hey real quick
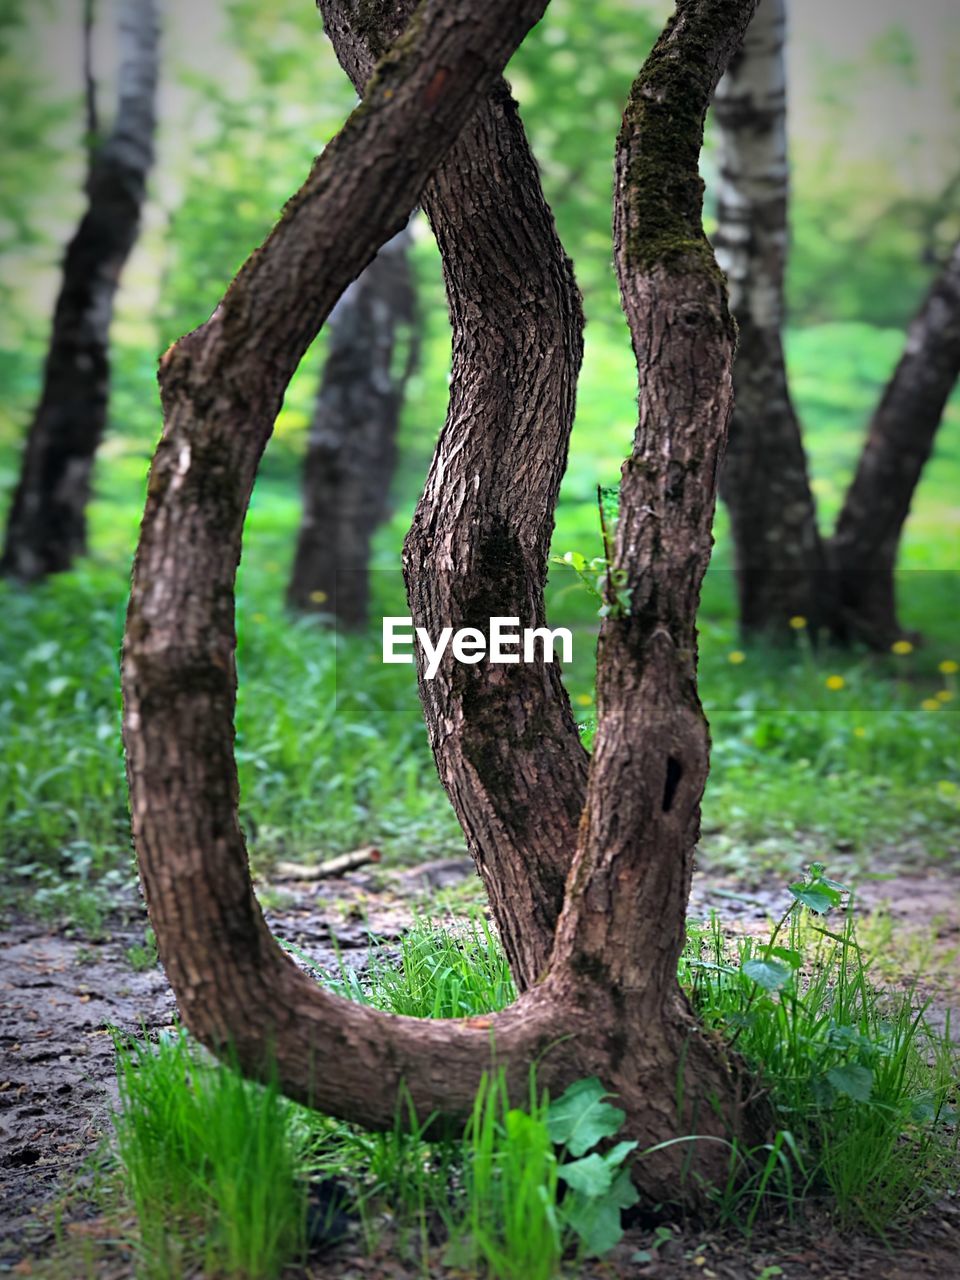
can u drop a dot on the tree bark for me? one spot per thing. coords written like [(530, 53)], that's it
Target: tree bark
[(351, 453), (622, 929), (504, 737), (221, 388), (610, 998), (779, 555), (46, 530), (863, 551)]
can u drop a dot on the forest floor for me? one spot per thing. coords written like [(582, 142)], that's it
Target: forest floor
[(60, 993)]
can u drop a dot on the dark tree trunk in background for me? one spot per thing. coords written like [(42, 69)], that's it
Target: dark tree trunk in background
[(777, 547), (863, 551), (46, 530), (608, 1004), (783, 569), (351, 453)]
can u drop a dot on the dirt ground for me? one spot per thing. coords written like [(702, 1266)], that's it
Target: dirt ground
[(60, 995)]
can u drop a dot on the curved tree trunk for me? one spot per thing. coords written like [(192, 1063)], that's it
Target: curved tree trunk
[(221, 389), (504, 738), (778, 551), (622, 929), (610, 998), (864, 547), (46, 530), (351, 453)]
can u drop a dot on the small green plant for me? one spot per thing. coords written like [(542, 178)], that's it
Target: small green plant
[(862, 1085), (516, 1219), (608, 585), (143, 956), (213, 1164), (598, 1185)]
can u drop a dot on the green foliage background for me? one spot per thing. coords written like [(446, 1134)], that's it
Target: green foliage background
[(331, 746)]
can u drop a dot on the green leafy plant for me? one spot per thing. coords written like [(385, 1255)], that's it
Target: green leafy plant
[(143, 955), (599, 1184), (861, 1083), (607, 584), (516, 1218)]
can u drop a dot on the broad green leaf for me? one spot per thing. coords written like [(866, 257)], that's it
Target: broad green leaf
[(597, 1220), (575, 559), (580, 1118), (767, 973), (594, 1175), (816, 875), (793, 958), (819, 897), (924, 1110), (617, 1154), (591, 1176), (852, 1080)]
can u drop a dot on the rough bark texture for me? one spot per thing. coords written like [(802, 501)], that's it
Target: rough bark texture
[(351, 452), (864, 548), (609, 1003), (221, 388), (47, 523), (777, 546), (504, 738), (621, 932)]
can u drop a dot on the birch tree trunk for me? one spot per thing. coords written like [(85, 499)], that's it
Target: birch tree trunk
[(777, 547), (608, 1002), (901, 436), (351, 453), (46, 528)]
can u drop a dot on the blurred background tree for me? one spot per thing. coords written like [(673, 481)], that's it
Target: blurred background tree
[(47, 524)]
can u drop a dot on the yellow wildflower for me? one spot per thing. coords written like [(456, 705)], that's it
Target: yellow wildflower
[(798, 622), (835, 683), (859, 731), (318, 597), (949, 667), (901, 648), (945, 695), (930, 704), (584, 699), (736, 657)]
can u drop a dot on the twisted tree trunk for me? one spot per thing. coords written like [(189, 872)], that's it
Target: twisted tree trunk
[(504, 738), (46, 529), (609, 998), (778, 552), (351, 453), (863, 550)]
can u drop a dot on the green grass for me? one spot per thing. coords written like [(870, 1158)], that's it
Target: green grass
[(862, 1086), (214, 1166), (862, 1090), (437, 974), (331, 746), (509, 1222)]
